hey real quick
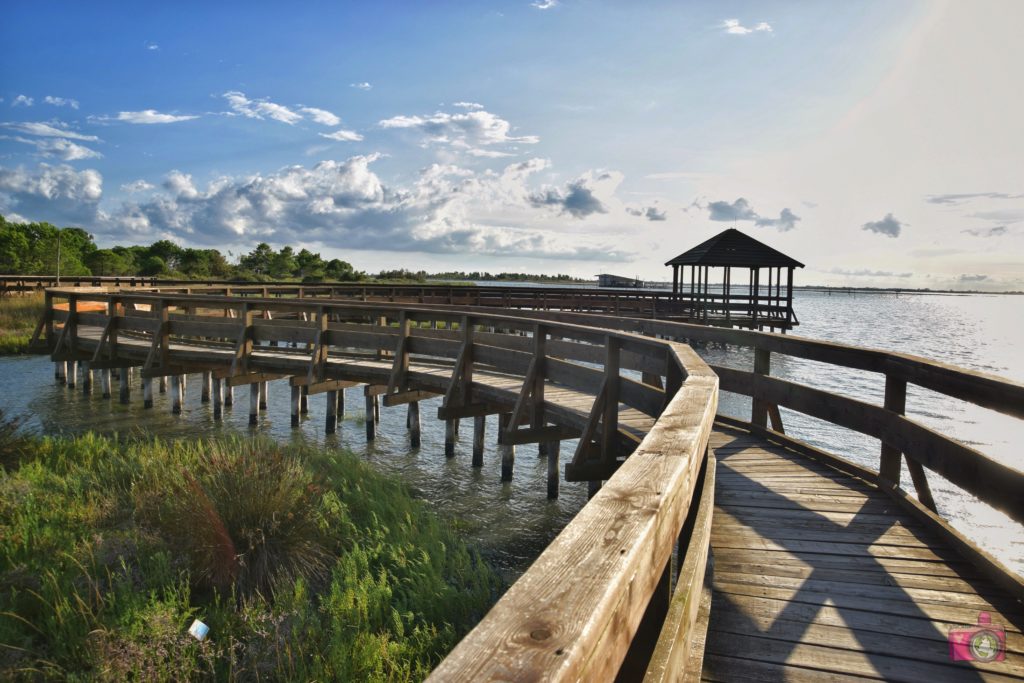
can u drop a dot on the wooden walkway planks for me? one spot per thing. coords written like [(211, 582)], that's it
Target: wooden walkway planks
[(822, 577)]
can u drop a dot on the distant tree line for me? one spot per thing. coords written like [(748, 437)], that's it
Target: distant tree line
[(32, 249)]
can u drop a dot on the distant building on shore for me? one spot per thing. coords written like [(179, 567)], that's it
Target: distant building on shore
[(609, 280)]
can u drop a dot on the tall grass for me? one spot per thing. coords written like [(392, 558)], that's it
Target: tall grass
[(18, 318), (305, 563)]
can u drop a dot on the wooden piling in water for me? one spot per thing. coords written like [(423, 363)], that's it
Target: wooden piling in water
[(264, 386), (413, 422), (105, 382), (450, 430), (126, 387), (371, 427), (376, 409), (508, 460), (254, 404), (479, 427), (304, 401), (58, 371), (218, 398), (86, 378), (147, 392), (296, 393), (72, 371), (176, 394), (204, 397), (163, 384), (592, 488), (332, 412), (341, 404), (552, 453), (229, 395)]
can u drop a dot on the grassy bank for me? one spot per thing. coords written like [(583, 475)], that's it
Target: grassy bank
[(306, 564), (18, 318)]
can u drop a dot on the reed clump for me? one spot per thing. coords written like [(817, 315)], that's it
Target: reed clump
[(19, 315), (306, 564)]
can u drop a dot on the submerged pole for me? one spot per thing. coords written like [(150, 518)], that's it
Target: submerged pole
[(264, 386), (176, 394), (413, 419), (126, 387), (479, 427), (207, 382), (552, 449), (304, 401), (296, 393), (254, 404), (147, 392), (105, 382), (508, 460), (371, 428), (86, 378), (332, 412), (72, 371), (218, 398)]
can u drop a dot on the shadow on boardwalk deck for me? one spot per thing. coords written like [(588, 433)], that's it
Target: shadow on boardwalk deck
[(822, 577)]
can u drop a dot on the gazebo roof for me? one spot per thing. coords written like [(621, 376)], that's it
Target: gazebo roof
[(733, 248)]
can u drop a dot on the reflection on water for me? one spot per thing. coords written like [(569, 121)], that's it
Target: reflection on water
[(513, 522)]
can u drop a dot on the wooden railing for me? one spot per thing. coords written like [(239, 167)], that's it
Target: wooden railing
[(606, 591)]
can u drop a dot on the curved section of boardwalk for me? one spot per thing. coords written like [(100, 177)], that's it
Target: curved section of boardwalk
[(819, 576)]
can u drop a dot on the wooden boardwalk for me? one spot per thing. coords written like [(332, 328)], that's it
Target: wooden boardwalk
[(822, 577)]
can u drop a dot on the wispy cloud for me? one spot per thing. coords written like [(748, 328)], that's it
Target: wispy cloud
[(138, 186), (342, 135), (59, 148), (46, 130), (544, 4), (972, 278), (865, 272), (995, 231), (150, 116), (259, 109), (361, 86), (468, 105), (152, 46), (22, 101), (321, 116), (964, 197), (734, 27), (889, 226), (651, 213), (61, 101)]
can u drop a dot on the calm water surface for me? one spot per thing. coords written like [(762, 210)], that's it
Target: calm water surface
[(513, 522)]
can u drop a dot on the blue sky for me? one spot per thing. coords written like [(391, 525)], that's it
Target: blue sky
[(566, 136)]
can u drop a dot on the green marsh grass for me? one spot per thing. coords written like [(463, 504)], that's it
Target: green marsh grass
[(19, 315), (305, 563)]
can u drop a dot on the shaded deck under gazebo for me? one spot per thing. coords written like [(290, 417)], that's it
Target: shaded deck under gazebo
[(757, 304)]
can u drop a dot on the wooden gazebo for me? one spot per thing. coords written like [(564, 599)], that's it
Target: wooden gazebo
[(758, 304)]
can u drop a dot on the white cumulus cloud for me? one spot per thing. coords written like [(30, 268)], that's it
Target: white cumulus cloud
[(22, 101), (321, 116), (469, 130)]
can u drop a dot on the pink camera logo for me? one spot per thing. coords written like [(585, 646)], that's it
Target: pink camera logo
[(981, 643)]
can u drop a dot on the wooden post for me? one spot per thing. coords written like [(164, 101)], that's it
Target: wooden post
[(479, 427), (59, 371), (229, 395), (376, 410), (86, 378), (207, 385), (341, 403), (126, 389), (610, 417), (176, 393), (789, 298), (163, 384), (304, 401), (449, 438), (508, 460), (147, 392), (758, 408), (371, 427), (413, 419), (218, 398), (264, 386), (72, 373), (296, 393), (593, 486), (552, 450), (105, 382), (896, 401), (504, 419), (254, 404), (332, 412)]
